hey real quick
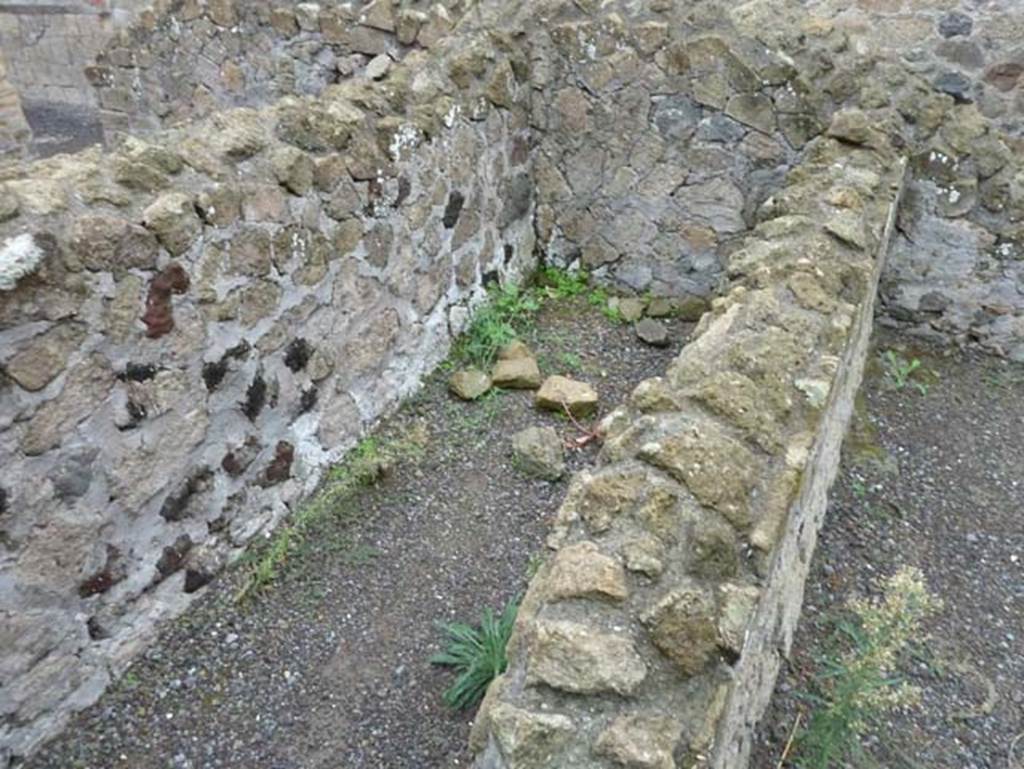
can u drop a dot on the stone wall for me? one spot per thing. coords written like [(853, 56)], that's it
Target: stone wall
[(48, 44), (662, 131), (652, 635), (950, 74), (192, 57), (193, 326), (14, 130)]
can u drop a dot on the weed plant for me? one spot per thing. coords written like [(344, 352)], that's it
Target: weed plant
[(858, 683), (477, 654)]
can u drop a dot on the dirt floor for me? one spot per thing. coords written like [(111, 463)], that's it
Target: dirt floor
[(328, 669), (933, 480)]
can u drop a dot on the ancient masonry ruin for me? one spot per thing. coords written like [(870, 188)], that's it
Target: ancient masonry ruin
[(296, 207)]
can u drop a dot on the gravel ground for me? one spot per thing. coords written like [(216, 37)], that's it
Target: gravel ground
[(934, 481), (329, 668)]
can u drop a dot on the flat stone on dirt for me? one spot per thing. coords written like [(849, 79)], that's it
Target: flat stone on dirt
[(652, 332), (559, 393), (516, 374), (469, 383), (538, 452)]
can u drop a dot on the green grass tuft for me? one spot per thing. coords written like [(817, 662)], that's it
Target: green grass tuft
[(477, 654), (507, 313)]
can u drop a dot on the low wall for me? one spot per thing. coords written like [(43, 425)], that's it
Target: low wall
[(193, 327), (652, 635)]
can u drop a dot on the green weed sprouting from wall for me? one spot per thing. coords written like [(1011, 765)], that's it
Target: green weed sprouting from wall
[(859, 683), (477, 655)]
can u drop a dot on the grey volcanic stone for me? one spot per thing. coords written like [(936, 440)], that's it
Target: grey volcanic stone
[(955, 23), (469, 384), (652, 332), (955, 84)]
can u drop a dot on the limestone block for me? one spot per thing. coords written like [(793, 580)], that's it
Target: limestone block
[(172, 218), (529, 740), (583, 571), (579, 659), (684, 627)]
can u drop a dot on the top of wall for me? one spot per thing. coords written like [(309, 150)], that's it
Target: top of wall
[(87, 70)]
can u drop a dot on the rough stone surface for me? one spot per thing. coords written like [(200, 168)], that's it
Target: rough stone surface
[(516, 374), (731, 452), (469, 384), (652, 332), (582, 571), (538, 451), (193, 330), (574, 658), (154, 293)]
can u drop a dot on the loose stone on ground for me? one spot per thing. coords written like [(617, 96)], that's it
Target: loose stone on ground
[(560, 393)]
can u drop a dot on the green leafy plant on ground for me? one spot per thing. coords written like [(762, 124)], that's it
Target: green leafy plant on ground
[(562, 284), (858, 683), (900, 371), (472, 417), (362, 467), (509, 312), (477, 655)]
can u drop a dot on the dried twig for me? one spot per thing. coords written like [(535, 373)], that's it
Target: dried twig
[(789, 742), (589, 436)]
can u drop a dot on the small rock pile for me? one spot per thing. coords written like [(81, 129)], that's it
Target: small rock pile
[(537, 451), (646, 315)]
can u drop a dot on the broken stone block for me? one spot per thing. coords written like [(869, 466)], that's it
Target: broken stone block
[(684, 627), (752, 109), (640, 741), (44, 357), (716, 468), (172, 218), (516, 374), (630, 308), (529, 740), (515, 350), (738, 603), (652, 332), (560, 393), (538, 452)]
